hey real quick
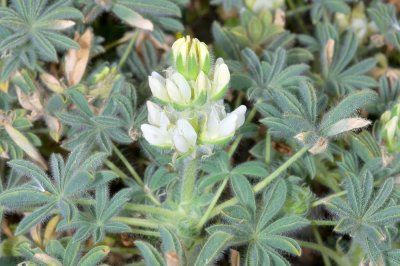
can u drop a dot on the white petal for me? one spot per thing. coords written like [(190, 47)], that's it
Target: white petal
[(213, 124), (187, 131), (154, 113), (240, 113), (180, 143), (227, 126), (155, 136), (173, 92), (157, 86), (203, 53), (183, 85)]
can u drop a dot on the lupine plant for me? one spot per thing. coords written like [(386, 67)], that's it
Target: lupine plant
[(178, 132)]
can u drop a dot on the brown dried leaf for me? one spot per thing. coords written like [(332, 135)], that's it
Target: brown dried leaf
[(52, 83), (172, 259), (54, 126), (76, 59), (280, 18), (35, 234), (329, 50), (31, 103), (24, 144), (50, 230), (234, 257), (319, 146)]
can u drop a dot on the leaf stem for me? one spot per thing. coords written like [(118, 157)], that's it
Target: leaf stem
[(128, 166), (323, 223), (263, 183), (328, 198), (210, 208), (140, 222), (115, 169), (327, 251), (150, 209), (319, 242), (128, 50), (135, 175)]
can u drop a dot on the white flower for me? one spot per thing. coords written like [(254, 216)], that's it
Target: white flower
[(157, 87), (220, 127), (156, 136), (220, 80), (157, 133), (178, 89), (184, 136)]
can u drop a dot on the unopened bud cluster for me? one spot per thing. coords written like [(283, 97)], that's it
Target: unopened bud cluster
[(390, 129), (191, 114)]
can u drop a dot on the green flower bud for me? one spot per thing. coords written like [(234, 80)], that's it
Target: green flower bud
[(190, 56), (299, 197), (389, 129)]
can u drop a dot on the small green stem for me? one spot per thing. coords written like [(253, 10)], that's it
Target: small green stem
[(135, 175), (328, 198), (136, 222), (319, 241), (214, 201), (115, 169), (128, 50), (324, 250), (263, 183), (323, 223), (268, 147), (145, 232), (188, 175), (128, 166), (299, 20), (151, 209), (298, 10)]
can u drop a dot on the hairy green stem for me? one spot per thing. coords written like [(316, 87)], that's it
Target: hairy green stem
[(210, 208), (327, 251), (323, 223), (136, 222), (328, 198), (115, 169), (298, 10), (263, 183), (135, 175), (319, 241), (267, 157), (188, 175), (128, 166), (128, 50), (151, 209)]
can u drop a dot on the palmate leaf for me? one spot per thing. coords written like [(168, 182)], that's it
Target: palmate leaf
[(140, 14), (70, 179), (299, 116), (384, 16), (366, 214), (89, 129), (57, 252), (341, 76), (34, 27), (264, 230), (96, 221), (272, 74), (324, 7)]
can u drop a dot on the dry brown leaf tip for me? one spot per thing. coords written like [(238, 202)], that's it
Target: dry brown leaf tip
[(76, 60)]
